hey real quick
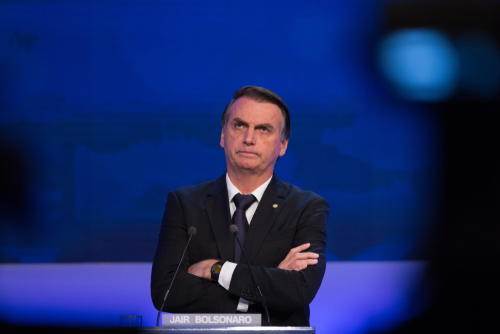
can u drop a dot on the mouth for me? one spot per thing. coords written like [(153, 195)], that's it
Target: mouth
[(247, 153)]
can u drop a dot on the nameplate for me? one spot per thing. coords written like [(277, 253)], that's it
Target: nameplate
[(210, 319)]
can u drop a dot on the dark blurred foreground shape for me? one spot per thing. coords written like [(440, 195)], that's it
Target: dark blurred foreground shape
[(16, 209), (14, 202), (464, 274)]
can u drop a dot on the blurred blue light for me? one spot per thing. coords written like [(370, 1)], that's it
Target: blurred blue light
[(420, 63)]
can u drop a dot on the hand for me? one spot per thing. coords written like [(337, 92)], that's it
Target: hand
[(295, 260), (202, 268)]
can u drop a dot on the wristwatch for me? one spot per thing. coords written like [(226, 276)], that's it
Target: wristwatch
[(215, 271)]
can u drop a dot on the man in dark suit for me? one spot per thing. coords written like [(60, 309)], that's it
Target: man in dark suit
[(284, 227)]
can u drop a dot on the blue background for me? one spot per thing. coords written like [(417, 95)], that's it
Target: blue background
[(115, 103), (112, 104)]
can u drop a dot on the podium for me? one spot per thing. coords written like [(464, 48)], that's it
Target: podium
[(216, 323), (227, 330)]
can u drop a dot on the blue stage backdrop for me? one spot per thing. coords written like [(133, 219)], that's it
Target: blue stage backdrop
[(113, 104)]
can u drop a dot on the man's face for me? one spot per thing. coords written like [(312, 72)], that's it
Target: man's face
[(251, 139)]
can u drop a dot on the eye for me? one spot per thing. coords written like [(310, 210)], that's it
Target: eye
[(238, 125), (264, 129)]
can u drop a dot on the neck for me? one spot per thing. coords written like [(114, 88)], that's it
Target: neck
[(247, 182)]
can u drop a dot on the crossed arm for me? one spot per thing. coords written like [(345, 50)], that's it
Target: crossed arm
[(287, 285), (295, 260)]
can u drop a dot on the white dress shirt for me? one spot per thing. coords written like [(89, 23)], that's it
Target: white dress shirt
[(227, 269)]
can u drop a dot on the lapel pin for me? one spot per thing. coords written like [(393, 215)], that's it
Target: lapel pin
[(275, 206)]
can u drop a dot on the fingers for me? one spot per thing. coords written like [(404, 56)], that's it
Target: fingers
[(300, 248), (295, 260), (305, 263), (297, 250), (299, 264), (305, 256)]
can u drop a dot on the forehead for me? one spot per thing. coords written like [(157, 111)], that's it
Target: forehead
[(251, 111)]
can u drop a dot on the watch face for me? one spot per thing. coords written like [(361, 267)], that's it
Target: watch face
[(216, 268)]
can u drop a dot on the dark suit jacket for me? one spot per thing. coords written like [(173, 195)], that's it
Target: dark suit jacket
[(300, 217)]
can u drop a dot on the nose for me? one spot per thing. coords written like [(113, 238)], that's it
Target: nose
[(249, 138)]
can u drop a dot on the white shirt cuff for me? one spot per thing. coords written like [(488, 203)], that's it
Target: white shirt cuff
[(242, 305), (226, 273), (225, 276)]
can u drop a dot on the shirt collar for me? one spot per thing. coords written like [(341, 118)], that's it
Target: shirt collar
[(258, 193)]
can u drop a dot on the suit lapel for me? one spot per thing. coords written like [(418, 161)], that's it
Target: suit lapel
[(217, 205), (267, 212)]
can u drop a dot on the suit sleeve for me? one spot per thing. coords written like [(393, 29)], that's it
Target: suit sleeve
[(189, 293), (288, 290)]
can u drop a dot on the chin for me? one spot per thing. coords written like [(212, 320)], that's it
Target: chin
[(247, 167)]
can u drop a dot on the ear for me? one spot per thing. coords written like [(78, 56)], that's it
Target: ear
[(222, 138), (284, 145)]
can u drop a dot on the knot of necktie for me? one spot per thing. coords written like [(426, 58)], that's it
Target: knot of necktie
[(243, 202)]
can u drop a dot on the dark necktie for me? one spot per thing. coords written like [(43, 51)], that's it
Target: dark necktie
[(242, 203)]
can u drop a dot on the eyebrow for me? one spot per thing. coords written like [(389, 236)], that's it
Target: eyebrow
[(258, 126)]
